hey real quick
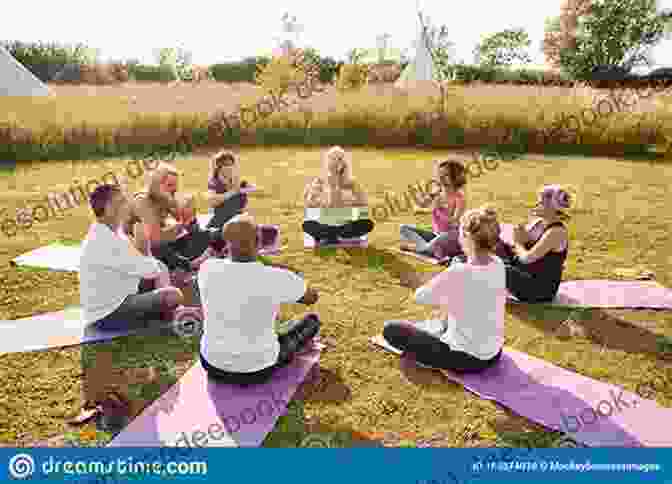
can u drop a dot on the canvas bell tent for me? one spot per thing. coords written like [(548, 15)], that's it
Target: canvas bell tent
[(421, 68), (16, 80)]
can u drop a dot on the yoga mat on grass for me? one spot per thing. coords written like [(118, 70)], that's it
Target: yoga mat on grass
[(336, 216), (57, 257), (217, 415), (58, 330), (309, 243), (610, 294), (594, 413)]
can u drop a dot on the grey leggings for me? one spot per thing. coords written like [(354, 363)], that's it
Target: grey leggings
[(136, 311), (427, 241)]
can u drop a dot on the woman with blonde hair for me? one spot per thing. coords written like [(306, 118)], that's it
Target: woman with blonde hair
[(336, 188), (536, 260), (472, 294)]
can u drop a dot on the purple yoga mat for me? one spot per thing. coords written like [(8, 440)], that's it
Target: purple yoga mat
[(595, 413), (217, 415), (612, 294), (58, 330)]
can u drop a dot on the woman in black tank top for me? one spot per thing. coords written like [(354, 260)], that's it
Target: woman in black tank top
[(536, 260)]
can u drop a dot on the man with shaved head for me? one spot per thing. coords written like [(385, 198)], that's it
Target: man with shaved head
[(241, 298), (164, 224)]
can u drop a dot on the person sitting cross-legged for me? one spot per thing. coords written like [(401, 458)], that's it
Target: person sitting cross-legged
[(164, 224), (226, 200), (113, 272), (336, 189), (472, 294), (114, 280), (536, 260), (240, 300)]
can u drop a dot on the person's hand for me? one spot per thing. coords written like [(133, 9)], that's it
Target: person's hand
[(310, 297), (520, 234), (409, 279), (333, 181)]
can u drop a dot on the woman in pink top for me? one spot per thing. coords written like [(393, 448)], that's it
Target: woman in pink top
[(447, 207), (472, 294)]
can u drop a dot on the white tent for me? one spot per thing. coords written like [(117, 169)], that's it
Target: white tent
[(421, 68), (16, 80)]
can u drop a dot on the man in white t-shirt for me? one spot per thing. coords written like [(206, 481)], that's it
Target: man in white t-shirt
[(113, 272), (241, 299), (112, 276)]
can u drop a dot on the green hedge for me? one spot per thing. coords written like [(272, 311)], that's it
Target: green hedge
[(502, 75), (43, 59), (147, 73), (244, 71)]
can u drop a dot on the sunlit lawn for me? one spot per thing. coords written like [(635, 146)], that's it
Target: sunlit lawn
[(622, 220)]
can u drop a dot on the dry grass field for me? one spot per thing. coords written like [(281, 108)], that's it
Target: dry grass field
[(210, 97), (621, 220)]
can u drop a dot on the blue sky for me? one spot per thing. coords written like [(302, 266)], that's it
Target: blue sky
[(224, 31)]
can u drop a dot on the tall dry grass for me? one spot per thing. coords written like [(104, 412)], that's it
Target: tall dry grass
[(379, 115)]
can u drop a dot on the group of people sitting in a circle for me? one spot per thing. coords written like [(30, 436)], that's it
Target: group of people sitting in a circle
[(136, 243)]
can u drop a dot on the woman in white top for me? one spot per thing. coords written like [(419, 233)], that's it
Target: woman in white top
[(336, 188), (472, 294)]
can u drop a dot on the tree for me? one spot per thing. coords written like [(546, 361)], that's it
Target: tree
[(560, 32), (617, 33), (442, 51), (503, 48), (177, 59)]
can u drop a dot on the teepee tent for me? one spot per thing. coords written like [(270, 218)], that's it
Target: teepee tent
[(16, 80), (421, 68)]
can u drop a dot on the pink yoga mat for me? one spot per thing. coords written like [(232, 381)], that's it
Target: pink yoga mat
[(612, 294), (595, 413), (217, 415)]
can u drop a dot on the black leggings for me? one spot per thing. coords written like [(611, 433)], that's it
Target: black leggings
[(332, 233), (429, 350), (227, 210), (179, 252), (290, 344), (525, 286)]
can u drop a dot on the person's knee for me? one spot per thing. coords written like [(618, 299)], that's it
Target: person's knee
[(171, 297), (310, 224), (394, 330)]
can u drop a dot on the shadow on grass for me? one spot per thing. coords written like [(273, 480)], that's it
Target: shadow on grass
[(597, 326), (295, 430), (323, 385)]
